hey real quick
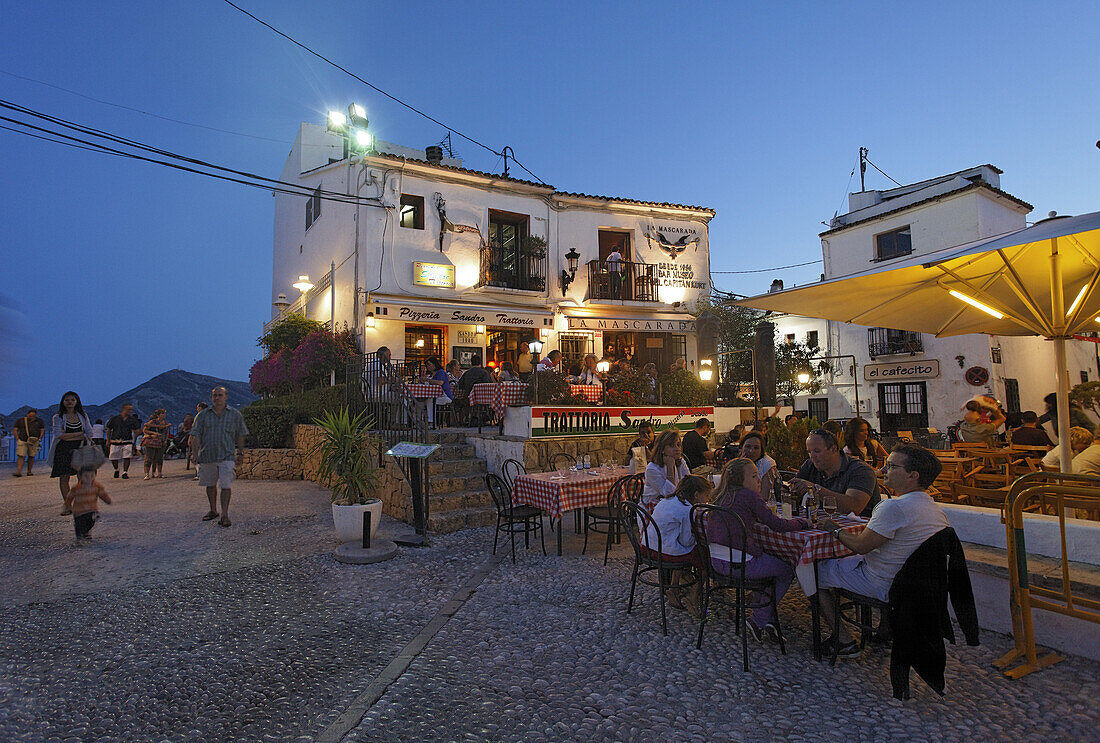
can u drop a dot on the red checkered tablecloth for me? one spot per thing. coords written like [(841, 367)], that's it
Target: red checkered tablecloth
[(423, 390), (498, 394), (801, 548), (577, 490), (591, 392)]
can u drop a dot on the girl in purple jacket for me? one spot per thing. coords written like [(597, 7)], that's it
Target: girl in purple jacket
[(739, 491)]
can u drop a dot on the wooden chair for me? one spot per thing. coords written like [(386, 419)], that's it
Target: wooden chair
[(984, 497)]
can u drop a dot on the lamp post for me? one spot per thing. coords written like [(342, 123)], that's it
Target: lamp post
[(535, 347), (567, 276)]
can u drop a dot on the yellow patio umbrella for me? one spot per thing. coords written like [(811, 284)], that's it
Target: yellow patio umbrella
[(1040, 280)]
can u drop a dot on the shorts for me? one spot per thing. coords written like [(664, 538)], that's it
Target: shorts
[(848, 573), (26, 448), (217, 473), (121, 451)]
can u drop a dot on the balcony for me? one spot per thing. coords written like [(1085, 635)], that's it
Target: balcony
[(636, 282), (513, 268), (888, 342)]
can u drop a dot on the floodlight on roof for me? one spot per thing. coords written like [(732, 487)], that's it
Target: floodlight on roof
[(358, 115), (363, 139), (336, 121)]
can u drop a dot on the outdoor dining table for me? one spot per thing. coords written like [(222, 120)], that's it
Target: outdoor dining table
[(802, 549), (498, 395), (423, 390), (557, 492), (590, 392)]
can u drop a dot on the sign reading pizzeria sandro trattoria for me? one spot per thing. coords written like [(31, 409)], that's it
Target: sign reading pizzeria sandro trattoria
[(581, 421), (468, 317)]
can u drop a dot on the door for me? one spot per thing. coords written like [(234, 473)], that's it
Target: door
[(818, 407), (903, 406), (422, 343)]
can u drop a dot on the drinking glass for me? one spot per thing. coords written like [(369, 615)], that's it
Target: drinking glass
[(830, 505)]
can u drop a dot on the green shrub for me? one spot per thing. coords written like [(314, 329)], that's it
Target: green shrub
[(627, 386), (553, 387), (309, 404), (787, 446), (268, 425), (289, 333), (681, 387)]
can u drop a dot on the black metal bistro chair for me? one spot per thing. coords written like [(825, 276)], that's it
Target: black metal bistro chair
[(510, 470), (732, 532), (636, 522), (607, 519), (513, 519)]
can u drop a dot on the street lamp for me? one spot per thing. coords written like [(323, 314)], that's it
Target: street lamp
[(535, 347), (567, 276), (303, 284), (603, 367), (280, 303), (370, 320), (803, 378)]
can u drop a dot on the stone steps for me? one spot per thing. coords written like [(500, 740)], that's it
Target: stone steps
[(444, 522), (458, 497)]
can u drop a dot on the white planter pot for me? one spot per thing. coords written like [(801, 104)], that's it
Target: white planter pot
[(348, 520)]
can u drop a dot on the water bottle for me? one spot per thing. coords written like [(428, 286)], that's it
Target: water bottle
[(587, 462)]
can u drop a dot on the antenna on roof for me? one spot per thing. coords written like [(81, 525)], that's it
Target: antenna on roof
[(505, 152), (445, 143)]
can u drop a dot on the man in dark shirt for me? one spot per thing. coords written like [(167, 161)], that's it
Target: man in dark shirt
[(1029, 434), (28, 432), (695, 444), (120, 434), (829, 471), (476, 374)]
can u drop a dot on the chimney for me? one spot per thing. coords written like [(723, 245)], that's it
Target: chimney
[(434, 154)]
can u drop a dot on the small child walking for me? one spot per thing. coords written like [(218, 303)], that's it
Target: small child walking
[(84, 500)]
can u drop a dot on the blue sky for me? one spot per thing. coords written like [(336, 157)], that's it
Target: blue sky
[(117, 270)]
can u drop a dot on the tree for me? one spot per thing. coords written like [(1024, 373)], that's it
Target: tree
[(289, 333), (793, 358), (736, 331)]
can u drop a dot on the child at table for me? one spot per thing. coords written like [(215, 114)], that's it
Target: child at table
[(672, 519), (739, 491)]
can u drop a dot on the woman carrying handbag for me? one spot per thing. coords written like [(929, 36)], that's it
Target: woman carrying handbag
[(71, 430)]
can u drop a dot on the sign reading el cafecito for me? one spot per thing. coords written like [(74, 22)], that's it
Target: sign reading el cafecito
[(579, 421), (902, 370)]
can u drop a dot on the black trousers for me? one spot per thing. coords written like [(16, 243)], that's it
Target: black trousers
[(84, 523)]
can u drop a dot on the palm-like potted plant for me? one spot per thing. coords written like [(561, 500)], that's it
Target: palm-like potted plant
[(346, 456)]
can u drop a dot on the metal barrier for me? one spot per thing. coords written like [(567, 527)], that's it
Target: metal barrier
[(1060, 491)]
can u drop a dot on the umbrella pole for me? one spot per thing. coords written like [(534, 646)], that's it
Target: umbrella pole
[(1061, 374)]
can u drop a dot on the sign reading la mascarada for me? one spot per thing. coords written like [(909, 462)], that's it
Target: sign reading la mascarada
[(610, 323), (469, 317), (579, 421), (434, 274), (901, 370)]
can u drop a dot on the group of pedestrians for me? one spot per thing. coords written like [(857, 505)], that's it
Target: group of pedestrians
[(79, 447)]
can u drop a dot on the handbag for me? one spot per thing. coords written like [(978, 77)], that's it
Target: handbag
[(88, 455)]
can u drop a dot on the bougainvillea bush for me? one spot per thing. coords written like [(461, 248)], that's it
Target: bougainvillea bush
[(309, 364)]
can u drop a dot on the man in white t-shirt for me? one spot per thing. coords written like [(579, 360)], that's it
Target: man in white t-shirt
[(898, 526), (615, 268)]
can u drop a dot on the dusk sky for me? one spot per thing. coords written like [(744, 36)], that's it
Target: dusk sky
[(116, 270)]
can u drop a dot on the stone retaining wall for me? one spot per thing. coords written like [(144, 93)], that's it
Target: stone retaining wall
[(602, 449), (270, 464)]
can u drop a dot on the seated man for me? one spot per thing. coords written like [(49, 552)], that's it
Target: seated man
[(829, 471), (1029, 433), (898, 527), (695, 444), (1088, 461), (476, 374)]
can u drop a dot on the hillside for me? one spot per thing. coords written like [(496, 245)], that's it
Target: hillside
[(176, 391)]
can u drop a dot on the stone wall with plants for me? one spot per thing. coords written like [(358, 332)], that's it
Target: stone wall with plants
[(602, 449)]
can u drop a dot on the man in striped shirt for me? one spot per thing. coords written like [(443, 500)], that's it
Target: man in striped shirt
[(216, 434)]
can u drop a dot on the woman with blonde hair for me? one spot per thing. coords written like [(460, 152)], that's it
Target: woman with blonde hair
[(739, 491), (1080, 438), (667, 469)]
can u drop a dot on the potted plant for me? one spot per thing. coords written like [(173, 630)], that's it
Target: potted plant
[(345, 454)]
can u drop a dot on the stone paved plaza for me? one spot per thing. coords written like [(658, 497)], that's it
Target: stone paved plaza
[(169, 628)]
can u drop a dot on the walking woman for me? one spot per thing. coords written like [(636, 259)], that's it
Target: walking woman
[(71, 429), (155, 434)]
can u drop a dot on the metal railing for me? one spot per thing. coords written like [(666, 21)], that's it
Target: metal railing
[(888, 342), (512, 268), (1056, 491), (632, 281)]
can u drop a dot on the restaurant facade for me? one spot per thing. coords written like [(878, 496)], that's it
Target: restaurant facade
[(438, 260)]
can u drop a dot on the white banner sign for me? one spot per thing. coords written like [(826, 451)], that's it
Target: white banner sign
[(449, 316), (902, 370), (686, 325)]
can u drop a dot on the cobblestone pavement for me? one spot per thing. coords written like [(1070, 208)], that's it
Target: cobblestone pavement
[(168, 628)]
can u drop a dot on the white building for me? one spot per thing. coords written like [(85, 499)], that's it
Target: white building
[(438, 260), (915, 380)]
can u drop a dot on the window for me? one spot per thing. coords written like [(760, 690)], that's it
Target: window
[(893, 244), (574, 347), (1084, 376), (811, 339), (1012, 395), (889, 342), (679, 347), (412, 211), (513, 258), (789, 337), (313, 208)]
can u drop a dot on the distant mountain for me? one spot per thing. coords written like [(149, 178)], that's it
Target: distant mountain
[(176, 391)]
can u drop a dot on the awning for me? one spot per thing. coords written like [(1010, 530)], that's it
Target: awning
[(449, 312)]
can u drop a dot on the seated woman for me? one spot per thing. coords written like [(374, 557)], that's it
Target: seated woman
[(588, 375), (507, 373), (752, 448), (859, 444), (434, 373), (739, 491), (645, 439), (671, 518), (667, 469)]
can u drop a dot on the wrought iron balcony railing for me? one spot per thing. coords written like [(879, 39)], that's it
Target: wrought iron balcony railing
[(513, 268), (889, 342), (624, 280)]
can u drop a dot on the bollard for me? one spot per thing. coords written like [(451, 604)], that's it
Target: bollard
[(366, 530)]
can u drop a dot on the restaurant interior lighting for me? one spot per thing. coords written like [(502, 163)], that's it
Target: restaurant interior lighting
[(603, 367), (1080, 296), (336, 121), (535, 347), (705, 362), (419, 342), (975, 303), (303, 284), (370, 320), (803, 378), (480, 329)]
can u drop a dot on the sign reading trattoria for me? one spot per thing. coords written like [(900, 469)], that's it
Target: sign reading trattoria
[(901, 370), (582, 421), (608, 323), (469, 317)]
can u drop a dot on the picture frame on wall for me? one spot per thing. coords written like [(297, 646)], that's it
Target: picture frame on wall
[(465, 355)]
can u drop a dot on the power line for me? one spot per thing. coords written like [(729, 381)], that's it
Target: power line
[(776, 268), (868, 161), (375, 88), (138, 110)]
